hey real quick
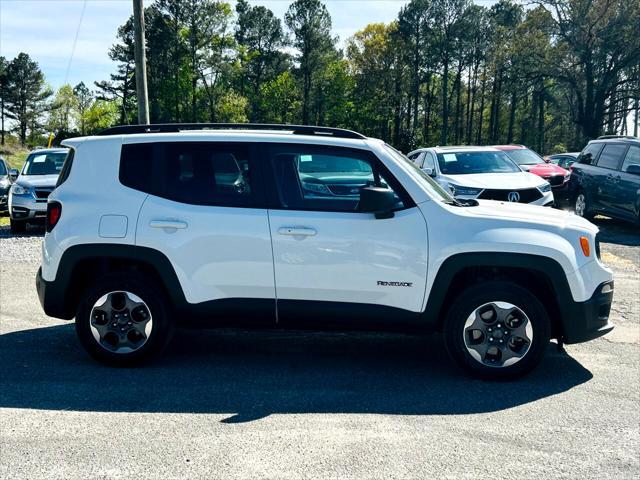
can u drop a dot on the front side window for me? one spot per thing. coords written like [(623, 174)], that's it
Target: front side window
[(199, 173), (44, 163), (3, 169), (611, 156), (632, 158), (462, 163), (590, 153), (325, 179)]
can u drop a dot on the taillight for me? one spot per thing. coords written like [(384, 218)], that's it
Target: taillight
[(54, 211)]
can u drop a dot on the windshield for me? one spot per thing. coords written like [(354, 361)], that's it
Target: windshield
[(435, 189), (330, 163), (463, 163), (524, 156), (44, 163)]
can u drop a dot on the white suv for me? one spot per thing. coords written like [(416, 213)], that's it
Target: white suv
[(485, 173), (305, 228)]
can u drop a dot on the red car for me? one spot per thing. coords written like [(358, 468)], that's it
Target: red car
[(531, 162)]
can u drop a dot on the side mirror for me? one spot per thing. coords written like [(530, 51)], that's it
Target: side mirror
[(379, 201), (428, 171), (547, 159), (633, 169), (13, 174)]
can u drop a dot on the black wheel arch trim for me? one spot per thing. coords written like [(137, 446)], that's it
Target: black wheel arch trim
[(547, 267), (58, 297)]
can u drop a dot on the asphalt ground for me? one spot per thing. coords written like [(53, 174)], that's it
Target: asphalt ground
[(239, 404)]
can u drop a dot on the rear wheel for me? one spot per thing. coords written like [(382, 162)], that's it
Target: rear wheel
[(582, 205), (17, 226), (497, 330), (124, 320)]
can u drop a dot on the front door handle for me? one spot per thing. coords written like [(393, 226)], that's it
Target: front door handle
[(304, 231), (167, 224)]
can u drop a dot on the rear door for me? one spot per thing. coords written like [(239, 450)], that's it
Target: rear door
[(608, 180), (629, 185), (206, 213), (331, 260)]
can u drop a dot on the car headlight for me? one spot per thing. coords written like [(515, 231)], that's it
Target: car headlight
[(316, 188), (19, 190), (4, 183), (567, 177), (545, 187), (457, 190)]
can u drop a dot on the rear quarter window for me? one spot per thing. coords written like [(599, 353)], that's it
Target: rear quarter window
[(66, 167)]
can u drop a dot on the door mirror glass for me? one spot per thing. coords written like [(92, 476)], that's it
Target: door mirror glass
[(13, 174), (377, 200), (633, 169)]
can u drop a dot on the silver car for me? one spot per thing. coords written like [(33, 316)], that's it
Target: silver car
[(28, 194), (5, 184)]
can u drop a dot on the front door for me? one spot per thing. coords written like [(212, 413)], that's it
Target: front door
[(328, 255)]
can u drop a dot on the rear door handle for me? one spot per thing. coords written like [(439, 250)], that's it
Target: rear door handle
[(304, 231), (168, 224)]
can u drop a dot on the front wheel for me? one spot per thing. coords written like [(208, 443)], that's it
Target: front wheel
[(124, 320), (497, 330), (582, 206), (17, 226)]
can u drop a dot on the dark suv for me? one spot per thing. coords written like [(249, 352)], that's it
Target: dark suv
[(606, 178)]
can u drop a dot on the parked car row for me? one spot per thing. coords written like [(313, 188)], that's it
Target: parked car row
[(603, 178)]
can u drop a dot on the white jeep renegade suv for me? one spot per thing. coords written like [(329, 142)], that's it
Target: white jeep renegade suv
[(305, 227)]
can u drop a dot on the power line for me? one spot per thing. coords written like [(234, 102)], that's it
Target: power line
[(75, 41)]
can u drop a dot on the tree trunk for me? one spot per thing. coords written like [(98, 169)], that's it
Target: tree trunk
[(444, 135), (512, 115), (481, 111), (540, 143), (458, 88)]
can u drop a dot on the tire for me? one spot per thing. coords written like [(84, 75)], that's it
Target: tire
[(482, 298), (583, 211), (115, 348), (17, 226)]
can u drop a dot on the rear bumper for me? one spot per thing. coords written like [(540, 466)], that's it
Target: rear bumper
[(584, 321), (52, 298)]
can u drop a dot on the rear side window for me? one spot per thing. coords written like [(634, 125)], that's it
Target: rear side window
[(66, 168), (199, 173), (632, 158), (590, 153), (611, 156)]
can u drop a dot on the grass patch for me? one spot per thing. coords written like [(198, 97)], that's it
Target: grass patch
[(14, 153)]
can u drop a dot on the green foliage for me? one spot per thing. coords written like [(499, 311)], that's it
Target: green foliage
[(550, 74)]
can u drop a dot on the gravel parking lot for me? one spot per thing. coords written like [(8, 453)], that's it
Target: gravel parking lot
[(238, 404)]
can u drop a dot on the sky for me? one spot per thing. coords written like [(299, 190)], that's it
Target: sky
[(46, 30)]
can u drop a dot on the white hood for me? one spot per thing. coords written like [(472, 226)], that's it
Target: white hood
[(529, 213), (37, 180), (504, 181)]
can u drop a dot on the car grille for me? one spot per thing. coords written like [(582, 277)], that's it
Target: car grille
[(43, 193), (345, 190), (526, 196), (555, 180)]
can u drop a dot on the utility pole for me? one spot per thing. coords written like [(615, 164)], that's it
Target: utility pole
[(141, 63)]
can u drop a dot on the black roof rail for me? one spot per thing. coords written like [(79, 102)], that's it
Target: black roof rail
[(605, 137), (178, 127)]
